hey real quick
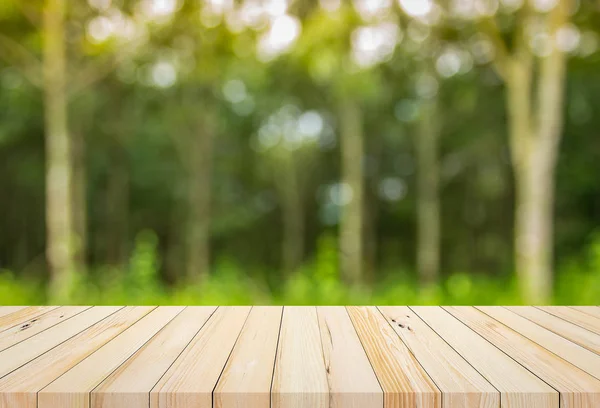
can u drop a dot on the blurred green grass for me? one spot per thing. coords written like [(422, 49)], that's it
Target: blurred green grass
[(317, 283)]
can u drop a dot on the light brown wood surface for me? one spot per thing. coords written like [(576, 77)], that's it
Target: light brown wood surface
[(518, 386), (23, 352), (592, 311), (571, 352), (20, 388), (574, 316), (461, 385), (6, 310), (38, 324), (569, 380), (352, 381), (402, 378), (130, 385), (190, 381), (21, 316), (300, 379), (299, 357), (246, 379), (73, 388), (568, 330)]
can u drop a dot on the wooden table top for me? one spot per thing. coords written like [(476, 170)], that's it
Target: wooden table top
[(270, 356)]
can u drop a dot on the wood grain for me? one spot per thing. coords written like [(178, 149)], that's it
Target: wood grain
[(72, 389), (577, 388), (573, 353), (402, 378), (38, 324), (518, 387), (299, 357), (461, 385), (568, 330), (300, 380), (590, 310), (21, 316), (130, 385), (191, 379), (581, 319), (6, 310), (352, 381), (19, 389), (246, 379), (20, 354)]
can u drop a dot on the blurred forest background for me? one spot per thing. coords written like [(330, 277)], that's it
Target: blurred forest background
[(299, 151)]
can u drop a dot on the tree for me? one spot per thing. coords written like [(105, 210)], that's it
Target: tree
[(66, 233), (193, 136), (428, 196), (288, 145), (351, 217), (336, 51), (199, 172), (59, 216), (535, 81)]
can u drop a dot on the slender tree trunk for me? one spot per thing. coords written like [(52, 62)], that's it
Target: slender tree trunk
[(533, 231), (371, 214), (351, 222), (428, 200), (59, 217), (199, 198), (536, 130), (175, 259), (78, 192), (293, 219), (117, 208)]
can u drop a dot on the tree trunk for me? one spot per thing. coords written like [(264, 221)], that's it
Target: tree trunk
[(351, 222), (59, 217), (78, 192), (293, 218), (428, 201), (535, 136), (117, 207), (533, 230), (199, 198), (175, 259), (371, 216)]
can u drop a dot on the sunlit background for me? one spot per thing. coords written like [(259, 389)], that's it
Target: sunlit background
[(299, 151)]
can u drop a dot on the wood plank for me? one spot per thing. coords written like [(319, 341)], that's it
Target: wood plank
[(404, 382), (22, 316), (591, 310), (246, 379), (574, 316), (299, 379), (518, 387), (461, 385), (21, 353), (573, 353), (19, 389), (233, 357), (31, 327), (193, 376), (72, 389), (568, 330), (130, 385), (577, 388), (6, 310), (352, 381)]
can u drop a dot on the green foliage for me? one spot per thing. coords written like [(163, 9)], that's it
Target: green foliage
[(317, 283), (143, 87), (19, 292), (579, 281)]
